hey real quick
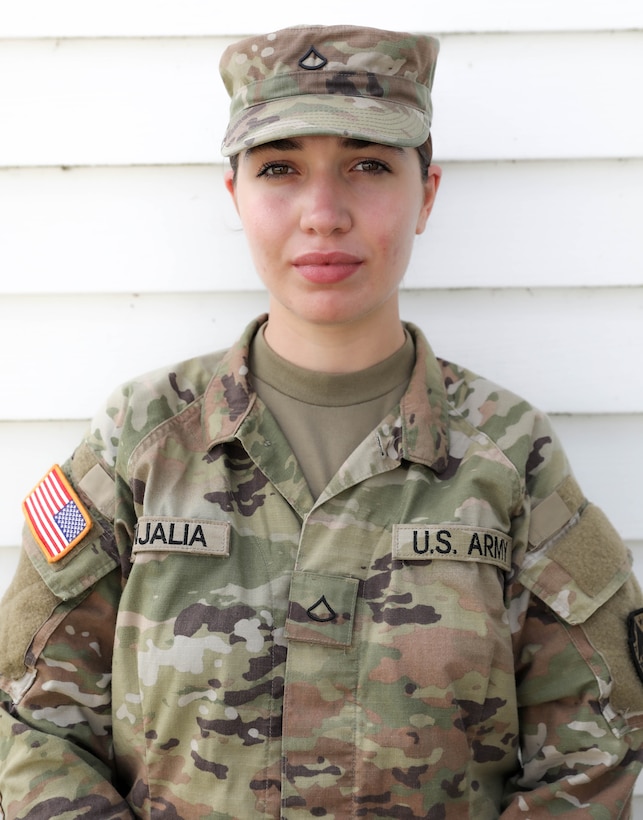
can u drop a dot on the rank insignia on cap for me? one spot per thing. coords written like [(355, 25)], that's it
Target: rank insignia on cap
[(55, 515), (635, 639), (312, 60)]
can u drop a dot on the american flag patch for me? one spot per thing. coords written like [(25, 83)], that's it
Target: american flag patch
[(55, 515)]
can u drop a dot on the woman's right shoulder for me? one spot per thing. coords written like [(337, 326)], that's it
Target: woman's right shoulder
[(140, 404)]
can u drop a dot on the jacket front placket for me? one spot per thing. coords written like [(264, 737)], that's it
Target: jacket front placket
[(326, 623), (337, 544)]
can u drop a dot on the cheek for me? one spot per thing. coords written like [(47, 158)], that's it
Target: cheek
[(397, 231), (265, 223), (260, 231)]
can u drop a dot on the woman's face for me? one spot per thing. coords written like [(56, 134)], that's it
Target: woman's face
[(331, 223)]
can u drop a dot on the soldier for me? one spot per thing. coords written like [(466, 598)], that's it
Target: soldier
[(323, 573)]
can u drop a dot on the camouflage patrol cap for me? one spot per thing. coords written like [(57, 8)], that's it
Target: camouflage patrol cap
[(351, 81)]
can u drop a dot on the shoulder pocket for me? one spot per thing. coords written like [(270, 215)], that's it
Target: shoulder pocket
[(90, 561), (91, 557), (580, 560)]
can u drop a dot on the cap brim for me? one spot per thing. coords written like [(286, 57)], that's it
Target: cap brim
[(357, 117)]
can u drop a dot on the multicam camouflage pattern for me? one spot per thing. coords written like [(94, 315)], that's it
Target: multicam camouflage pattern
[(401, 647), (350, 81)]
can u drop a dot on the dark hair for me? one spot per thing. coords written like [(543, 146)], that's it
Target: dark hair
[(425, 155)]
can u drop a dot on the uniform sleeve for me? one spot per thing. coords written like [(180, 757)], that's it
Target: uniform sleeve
[(578, 669), (56, 639), (57, 628)]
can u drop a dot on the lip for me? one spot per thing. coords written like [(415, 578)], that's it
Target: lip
[(327, 267)]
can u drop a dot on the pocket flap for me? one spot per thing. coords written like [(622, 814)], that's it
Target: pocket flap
[(580, 568), (321, 608)]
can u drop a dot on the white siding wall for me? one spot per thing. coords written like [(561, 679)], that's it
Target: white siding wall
[(119, 250)]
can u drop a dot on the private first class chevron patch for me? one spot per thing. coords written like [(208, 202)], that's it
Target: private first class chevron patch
[(55, 515)]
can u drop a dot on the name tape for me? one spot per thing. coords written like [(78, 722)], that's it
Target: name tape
[(165, 534), (451, 541)]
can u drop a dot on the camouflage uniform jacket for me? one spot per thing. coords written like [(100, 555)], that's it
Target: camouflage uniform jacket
[(437, 635)]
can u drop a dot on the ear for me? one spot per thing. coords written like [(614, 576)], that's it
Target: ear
[(430, 188), (228, 181)]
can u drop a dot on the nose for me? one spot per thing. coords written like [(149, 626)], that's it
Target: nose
[(324, 208)]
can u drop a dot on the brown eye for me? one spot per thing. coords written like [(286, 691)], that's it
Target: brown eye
[(372, 166), (274, 169)]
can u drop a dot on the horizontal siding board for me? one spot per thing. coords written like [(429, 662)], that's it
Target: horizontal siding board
[(568, 351), (539, 97), (151, 18), (32, 447), (151, 229), (158, 101), (75, 102)]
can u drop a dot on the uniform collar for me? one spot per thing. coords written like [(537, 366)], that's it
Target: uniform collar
[(229, 396), (229, 400)]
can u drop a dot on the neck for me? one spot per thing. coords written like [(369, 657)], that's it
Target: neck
[(333, 348)]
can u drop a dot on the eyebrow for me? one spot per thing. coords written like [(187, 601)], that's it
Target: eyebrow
[(293, 144)]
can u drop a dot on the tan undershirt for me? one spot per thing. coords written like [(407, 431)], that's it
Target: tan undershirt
[(325, 416)]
